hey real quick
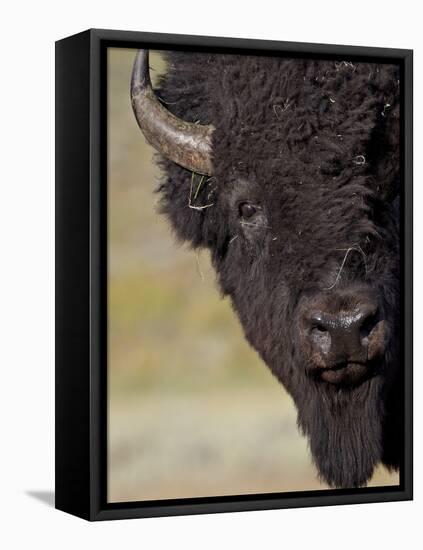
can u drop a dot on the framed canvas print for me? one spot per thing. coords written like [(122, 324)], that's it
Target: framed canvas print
[(233, 274)]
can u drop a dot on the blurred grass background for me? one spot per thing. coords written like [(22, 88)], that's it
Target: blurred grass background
[(192, 410)]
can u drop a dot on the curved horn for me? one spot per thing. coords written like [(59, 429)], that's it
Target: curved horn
[(182, 142)]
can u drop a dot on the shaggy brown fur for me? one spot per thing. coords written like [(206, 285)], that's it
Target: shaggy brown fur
[(315, 145)]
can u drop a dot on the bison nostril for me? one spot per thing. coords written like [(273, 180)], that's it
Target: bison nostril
[(319, 321), (320, 328), (368, 324), (320, 333)]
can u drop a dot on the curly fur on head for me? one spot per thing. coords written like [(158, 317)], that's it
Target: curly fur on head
[(314, 146)]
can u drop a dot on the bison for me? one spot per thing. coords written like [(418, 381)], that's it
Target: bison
[(288, 171)]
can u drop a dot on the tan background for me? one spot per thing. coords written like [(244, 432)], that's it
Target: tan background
[(192, 409)]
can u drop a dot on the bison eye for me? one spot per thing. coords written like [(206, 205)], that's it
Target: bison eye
[(247, 210)]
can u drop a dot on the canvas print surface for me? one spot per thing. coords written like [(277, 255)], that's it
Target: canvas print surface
[(253, 275)]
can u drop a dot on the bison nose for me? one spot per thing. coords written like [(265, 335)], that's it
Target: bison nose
[(343, 336)]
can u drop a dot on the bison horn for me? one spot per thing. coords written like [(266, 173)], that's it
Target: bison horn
[(182, 142)]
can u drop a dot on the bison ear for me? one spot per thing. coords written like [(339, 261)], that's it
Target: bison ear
[(189, 201)]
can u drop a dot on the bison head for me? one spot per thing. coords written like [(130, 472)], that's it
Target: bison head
[(287, 171)]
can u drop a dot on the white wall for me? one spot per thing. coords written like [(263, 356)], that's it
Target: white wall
[(28, 32)]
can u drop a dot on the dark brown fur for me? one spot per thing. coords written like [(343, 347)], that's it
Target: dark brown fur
[(316, 145)]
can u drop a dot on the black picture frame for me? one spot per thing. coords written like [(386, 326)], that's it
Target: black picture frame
[(81, 275)]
